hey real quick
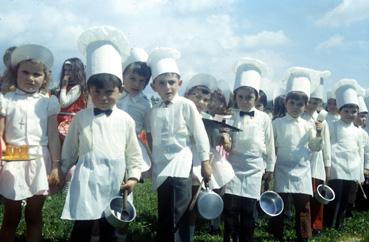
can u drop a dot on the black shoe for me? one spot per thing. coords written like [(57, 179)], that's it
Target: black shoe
[(317, 232)]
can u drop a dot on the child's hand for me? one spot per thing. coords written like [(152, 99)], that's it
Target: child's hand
[(226, 141), (268, 176), (319, 128), (65, 80), (206, 170), (366, 172), (129, 185), (55, 178)]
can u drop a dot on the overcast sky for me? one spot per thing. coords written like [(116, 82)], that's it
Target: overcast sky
[(211, 34)]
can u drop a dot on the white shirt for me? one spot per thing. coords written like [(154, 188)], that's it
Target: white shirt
[(250, 147), (174, 129), (137, 107), (346, 158), (364, 150), (67, 99), (104, 147), (331, 118), (321, 159), (26, 124), (294, 140)]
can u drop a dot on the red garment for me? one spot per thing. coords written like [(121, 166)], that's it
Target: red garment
[(316, 208)]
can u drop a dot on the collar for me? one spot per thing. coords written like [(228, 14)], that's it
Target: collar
[(290, 118), (173, 101), (22, 93)]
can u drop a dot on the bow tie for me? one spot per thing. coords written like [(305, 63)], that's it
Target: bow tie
[(98, 111), (251, 114)]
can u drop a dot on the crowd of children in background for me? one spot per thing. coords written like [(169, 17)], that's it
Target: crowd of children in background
[(100, 134)]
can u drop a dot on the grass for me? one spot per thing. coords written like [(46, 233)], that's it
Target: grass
[(144, 227)]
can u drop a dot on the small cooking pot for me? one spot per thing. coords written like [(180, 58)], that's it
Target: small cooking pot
[(209, 204), (271, 203), (324, 194), (114, 211)]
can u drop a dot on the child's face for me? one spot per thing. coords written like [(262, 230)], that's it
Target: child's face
[(245, 99), (361, 119), (313, 104), (166, 86), (349, 113), (133, 82), (30, 76), (104, 98), (295, 107), (200, 98), (332, 106)]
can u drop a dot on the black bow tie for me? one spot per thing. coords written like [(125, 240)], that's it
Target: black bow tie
[(251, 114), (98, 111)]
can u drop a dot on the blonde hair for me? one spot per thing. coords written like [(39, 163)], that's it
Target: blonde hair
[(9, 80)]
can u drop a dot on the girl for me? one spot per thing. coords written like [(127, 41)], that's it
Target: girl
[(28, 117), (72, 94)]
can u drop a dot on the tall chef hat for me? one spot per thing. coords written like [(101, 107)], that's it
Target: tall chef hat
[(362, 105), (163, 60), (319, 77), (346, 92), (104, 48), (330, 95), (202, 79), (31, 51), (249, 73), (299, 79), (136, 55)]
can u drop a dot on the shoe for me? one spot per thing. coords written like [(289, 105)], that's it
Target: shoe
[(317, 232)]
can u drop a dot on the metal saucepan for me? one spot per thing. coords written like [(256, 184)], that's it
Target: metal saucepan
[(324, 194), (271, 203), (209, 204), (113, 213)]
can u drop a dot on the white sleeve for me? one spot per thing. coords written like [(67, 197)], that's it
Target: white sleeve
[(326, 145), (69, 154), (269, 144), (67, 99)]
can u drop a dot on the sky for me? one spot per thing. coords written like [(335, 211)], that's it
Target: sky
[(210, 34)]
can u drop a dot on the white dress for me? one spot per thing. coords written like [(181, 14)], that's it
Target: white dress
[(26, 117), (104, 147)]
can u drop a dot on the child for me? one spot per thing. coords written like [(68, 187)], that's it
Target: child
[(331, 108), (347, 165), (136, 76), (321, 160), (174, 125), (72, 94), (28, 117), (101, 140), (295, 138), (249, 148)]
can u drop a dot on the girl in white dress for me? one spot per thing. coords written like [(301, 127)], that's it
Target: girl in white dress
[(28, 117)]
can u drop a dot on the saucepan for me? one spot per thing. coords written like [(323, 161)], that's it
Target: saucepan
[(271, 203), (209, 204), (117, 206), (324, 194)]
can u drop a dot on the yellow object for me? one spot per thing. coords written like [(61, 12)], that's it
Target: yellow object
[(17, 152)]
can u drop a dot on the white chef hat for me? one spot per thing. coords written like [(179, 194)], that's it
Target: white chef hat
[(136, 55), (330, 95), (278, 92), (202, 79), (249, 72), (367, 97), (361, 101), (346, 92), (319, 77), (32, 51), (105, 47), (299, 79), (163, 60)]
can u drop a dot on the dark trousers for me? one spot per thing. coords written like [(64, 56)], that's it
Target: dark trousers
[(301, 203), (239, 218), (316, 208), (81, 231), (174, 197), (335, 211)]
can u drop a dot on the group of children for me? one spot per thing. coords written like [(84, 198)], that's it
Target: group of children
[(95, 122)]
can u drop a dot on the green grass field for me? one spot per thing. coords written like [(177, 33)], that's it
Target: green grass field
[(144, 227)]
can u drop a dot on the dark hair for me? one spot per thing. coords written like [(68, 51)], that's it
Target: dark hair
[(297, 95), (103, 81), (204, 89), (279, 109), (250, 89), (139, 68), (78, 72), (262, 98), (218, 103), (349, 106)]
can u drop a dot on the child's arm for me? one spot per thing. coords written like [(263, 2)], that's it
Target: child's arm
[(270, 149), (225, 140), (326, 149), (366, 154), (67, 99), (2, 127), (133, 158), (315, 137), (69, 153), (55, 177)]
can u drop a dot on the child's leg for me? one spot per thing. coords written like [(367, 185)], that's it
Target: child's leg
[(248, 215), (331, 209), (12, 216), (276, 224), (81, 231), (193, 213), (231, 220), (106, 230), (33, 217), (302, 215)]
